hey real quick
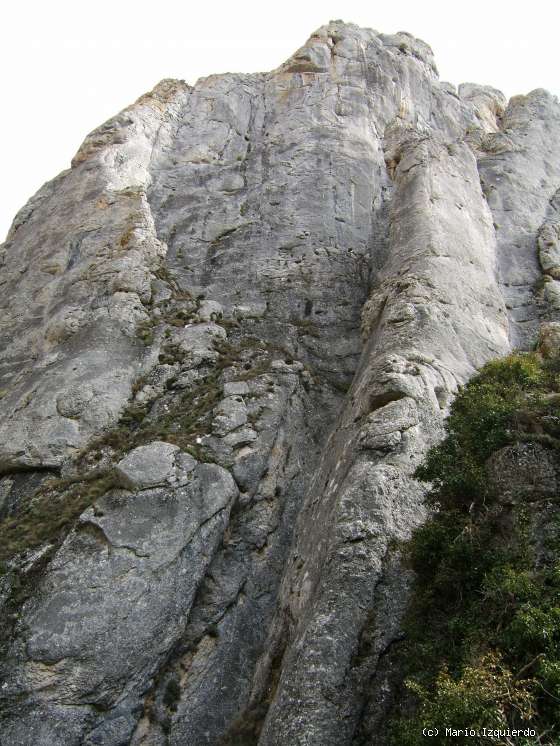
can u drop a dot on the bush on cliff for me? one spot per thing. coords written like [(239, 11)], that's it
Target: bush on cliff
[(482, 645)]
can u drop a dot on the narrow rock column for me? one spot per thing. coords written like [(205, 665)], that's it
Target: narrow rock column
[(520, 172), (436, 315)]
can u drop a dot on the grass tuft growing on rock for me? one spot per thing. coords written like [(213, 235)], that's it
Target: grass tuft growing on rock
[(178, 417), (51, 510)]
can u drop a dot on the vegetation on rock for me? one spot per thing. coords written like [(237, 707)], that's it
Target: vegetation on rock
[(482, 646), (177, 416)]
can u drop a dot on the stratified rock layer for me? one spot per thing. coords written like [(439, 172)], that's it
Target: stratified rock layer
[(236, 324)]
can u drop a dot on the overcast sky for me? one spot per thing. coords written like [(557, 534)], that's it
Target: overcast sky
[(67, 67)]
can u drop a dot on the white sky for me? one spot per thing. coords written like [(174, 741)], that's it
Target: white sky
[(66, 67)]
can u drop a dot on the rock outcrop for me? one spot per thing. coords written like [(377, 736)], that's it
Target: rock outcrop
[(230, 331)]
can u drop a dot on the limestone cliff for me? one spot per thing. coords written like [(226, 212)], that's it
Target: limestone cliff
[(229, 333)]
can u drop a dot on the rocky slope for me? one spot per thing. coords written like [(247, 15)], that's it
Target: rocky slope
[(229, 333)]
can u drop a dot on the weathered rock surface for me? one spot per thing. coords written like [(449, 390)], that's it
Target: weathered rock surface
[(114, 600), (237, 323), (148, 466)]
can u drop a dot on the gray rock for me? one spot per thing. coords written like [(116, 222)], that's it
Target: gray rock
[(74, 401), (197, 341), (236, 388), (434, 281), (148, 466), (230, 414), (520, 181), (549, 249), (83, 639), (384, 427), (210, 310), (242, 436), (367, 237), (488, 103), (72, 320)]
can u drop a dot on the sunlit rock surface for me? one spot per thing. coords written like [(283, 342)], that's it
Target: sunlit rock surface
[(236, 324)]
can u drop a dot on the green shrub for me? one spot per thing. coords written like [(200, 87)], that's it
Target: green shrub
[(482, 646), (486, 695), (507, 399)]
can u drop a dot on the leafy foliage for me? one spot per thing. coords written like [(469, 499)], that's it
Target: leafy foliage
[(507, 401), (482, 643), (485, 696)]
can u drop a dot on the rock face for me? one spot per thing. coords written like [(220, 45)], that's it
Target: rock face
[(229, 333)]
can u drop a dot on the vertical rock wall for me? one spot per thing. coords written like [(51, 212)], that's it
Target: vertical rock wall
[(230, 331)]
